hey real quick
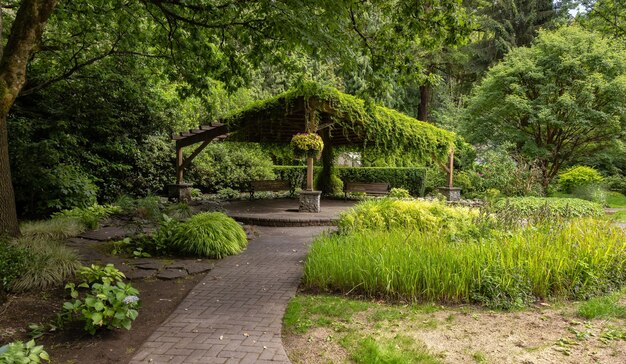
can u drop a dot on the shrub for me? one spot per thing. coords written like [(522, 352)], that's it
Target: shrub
[(208, 234), (578, 176), (591, 192), (399, 193), (616, 183), (89, 216), (228, 194), (22, 353), (230, 165), (110, 303), (147, 208), (576, 259), (545, 208), (13, 263), (388, 214), (51, 263)]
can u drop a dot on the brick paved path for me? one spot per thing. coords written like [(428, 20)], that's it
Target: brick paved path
[(235, 314)]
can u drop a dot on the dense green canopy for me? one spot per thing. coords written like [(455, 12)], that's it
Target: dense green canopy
[(350, 121)]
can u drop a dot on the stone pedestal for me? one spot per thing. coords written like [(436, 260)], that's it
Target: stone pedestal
[(310, 201), (179, 192), (451, 193)]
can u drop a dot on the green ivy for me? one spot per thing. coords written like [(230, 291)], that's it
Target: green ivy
[(376, 126)]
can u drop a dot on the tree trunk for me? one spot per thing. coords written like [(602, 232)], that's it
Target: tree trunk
[(328, 158), (26, 32), (422, 110), (8, 214)]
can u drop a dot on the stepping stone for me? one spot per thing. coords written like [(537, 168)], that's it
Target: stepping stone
[(140, 274), (169, 274), (195, 268), (150, 265), (78, 240), (104, 234)]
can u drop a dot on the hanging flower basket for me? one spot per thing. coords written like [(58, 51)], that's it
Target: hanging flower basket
[(307, 145)]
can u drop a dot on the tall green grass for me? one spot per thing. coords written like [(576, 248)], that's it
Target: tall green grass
[(575, 259)]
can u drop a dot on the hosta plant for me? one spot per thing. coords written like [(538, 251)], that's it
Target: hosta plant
[(107, 303), (22, 353)]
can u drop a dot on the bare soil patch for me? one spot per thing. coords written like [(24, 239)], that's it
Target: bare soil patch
[(473, 335)]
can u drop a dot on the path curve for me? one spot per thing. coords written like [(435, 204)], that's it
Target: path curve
[(235, 314)]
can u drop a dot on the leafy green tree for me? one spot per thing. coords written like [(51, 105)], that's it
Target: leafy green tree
[(607, 16), (194, 43), (563, 97)]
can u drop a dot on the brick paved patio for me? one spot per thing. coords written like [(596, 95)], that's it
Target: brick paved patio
[(235, 314)]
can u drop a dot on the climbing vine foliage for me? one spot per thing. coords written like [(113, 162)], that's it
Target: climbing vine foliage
[(368, 125)]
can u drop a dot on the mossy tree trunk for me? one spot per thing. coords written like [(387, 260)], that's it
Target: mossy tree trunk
[(25, 35)]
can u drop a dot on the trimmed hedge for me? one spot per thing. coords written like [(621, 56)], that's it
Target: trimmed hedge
[(411, 179), (526, 207)]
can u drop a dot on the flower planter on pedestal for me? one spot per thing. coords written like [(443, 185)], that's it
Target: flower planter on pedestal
[(310, 201)]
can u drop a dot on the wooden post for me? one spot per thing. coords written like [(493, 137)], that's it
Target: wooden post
[(451, 169), (309, 174), (179, 165)]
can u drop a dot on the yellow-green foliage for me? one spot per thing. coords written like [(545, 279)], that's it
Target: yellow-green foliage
[(207, 234), (412, 215), (575, 259), (306, 143), (379, 127), (578, 176)]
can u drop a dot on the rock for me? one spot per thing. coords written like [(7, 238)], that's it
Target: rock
[(195, 268), (150, 265), (140, 274), (171, 274)]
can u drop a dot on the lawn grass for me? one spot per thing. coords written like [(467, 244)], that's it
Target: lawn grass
[(608, 306), (619, 216), (615, 199), (349, 319)]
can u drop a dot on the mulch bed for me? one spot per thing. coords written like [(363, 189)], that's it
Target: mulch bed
[(162, 283)]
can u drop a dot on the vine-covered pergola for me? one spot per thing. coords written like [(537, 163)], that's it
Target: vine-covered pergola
[(340, 119)]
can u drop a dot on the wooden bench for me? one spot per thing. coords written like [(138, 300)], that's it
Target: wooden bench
[(268, 185), (377, 189)]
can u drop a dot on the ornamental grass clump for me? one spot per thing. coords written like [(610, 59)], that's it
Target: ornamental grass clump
[(208, 234), (50, 264), (575, 259), (411, 215)]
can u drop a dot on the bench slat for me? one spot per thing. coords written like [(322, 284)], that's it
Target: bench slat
[(370, 188)]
